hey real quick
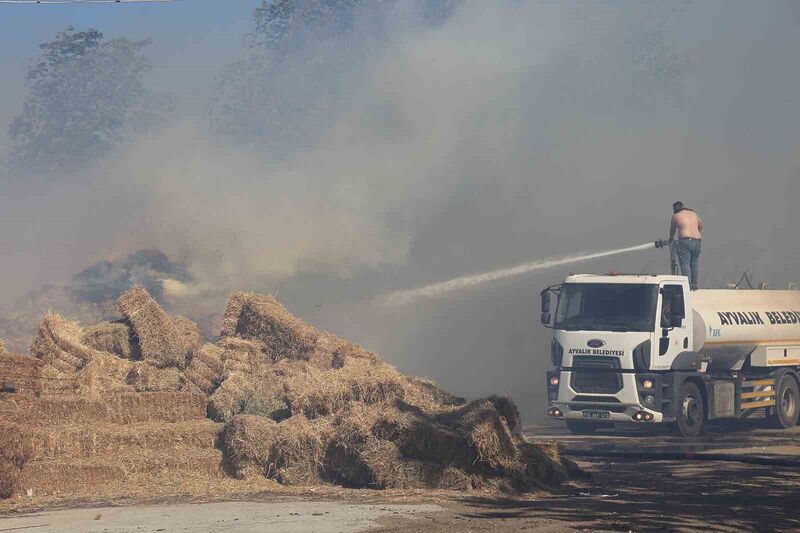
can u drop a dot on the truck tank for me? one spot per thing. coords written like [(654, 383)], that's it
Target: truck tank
[(729, 325)]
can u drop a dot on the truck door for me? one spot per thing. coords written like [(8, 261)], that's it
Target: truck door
[(673, 336)]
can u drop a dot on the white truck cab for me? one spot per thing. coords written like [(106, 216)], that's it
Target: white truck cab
[(646, 349)]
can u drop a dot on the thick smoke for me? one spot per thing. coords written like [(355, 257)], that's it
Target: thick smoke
[(509, 131)]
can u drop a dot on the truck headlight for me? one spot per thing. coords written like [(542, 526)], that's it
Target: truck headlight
[(649, 399), (554, 380), (647, 384)]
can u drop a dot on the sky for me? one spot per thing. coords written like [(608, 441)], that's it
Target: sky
[(514, 131)]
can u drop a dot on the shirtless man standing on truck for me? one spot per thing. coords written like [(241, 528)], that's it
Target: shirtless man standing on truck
[(689, 229)]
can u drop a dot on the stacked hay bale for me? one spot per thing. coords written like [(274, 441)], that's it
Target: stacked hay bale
[(356, 420), (79, 446), (128, 404), (104, 413), (117, 338), (19, 373)]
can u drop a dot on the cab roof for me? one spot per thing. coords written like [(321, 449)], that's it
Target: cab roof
[(649, 279)]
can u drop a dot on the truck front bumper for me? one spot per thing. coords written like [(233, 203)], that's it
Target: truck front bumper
[(632, 403)]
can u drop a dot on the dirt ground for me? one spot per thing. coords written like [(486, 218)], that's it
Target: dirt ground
[(752, 484)]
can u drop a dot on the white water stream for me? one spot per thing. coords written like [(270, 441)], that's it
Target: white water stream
[(438, 289)]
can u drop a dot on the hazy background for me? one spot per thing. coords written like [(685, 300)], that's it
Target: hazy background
[(417, 141)]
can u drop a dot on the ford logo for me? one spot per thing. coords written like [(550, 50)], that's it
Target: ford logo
[(596, 343)]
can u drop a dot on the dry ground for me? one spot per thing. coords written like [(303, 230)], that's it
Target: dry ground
[(622, 495)]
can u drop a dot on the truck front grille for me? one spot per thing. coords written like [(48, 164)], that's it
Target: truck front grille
[(596, 375), (596, 402)]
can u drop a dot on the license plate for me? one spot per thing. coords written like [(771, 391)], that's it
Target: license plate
[(597, 415)]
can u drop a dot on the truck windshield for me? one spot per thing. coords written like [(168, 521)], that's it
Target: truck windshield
[(607, 307)]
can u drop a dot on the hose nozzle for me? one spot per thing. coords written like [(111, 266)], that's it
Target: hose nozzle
[(661, 243)]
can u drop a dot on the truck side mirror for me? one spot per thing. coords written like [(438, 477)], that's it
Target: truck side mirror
[(546, 302), (546, 318)]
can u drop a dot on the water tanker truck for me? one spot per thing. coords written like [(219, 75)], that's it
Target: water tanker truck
[(644, 349)]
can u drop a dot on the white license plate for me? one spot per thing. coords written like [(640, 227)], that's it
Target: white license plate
[(597, 415)]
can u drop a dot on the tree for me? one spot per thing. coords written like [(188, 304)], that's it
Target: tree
[(83, 91), (303, 56)]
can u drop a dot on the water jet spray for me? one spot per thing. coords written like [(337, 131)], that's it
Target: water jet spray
[(439, 289)]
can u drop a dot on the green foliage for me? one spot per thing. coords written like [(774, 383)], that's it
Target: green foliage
[(83, 91)]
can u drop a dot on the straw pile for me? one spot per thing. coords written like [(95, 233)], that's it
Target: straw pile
[(349, 418), (130, 402)]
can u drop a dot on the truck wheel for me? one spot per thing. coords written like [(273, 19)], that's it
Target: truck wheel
[(690, 411), (581, 428), (787, 403)]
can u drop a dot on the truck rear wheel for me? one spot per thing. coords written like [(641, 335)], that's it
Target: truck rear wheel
[(690, 411), (787, 403), (581, 428)]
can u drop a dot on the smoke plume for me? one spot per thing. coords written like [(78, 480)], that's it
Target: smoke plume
[(424, 152)]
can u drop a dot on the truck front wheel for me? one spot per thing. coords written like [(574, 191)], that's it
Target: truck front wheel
[(691, 410), (787, 403), (581, 428)]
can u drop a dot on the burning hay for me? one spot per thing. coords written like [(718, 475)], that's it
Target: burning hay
[(160, 341)]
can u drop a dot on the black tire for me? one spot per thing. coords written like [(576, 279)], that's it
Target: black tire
[(787, 403), (580, 428), (690, 411)]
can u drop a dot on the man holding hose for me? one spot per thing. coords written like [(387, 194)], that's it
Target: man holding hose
[(688, 227)]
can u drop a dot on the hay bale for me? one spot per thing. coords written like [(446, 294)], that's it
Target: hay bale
[(117, 338), (54, 381), (318, 393), (113, 408), (21, 374), (365, 450), (58, 343), (233, 310), (242, 355), (105, 373), (486, 433), (206, 368), (290, 452), (160, 341), (15, 452), (102, 439), (189, 333), (144, 377), (228, 400), (211, 355), (262, 318)]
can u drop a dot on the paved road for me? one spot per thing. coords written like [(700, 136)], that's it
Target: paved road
[(236, 517)]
